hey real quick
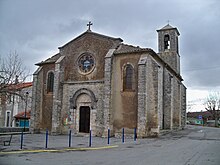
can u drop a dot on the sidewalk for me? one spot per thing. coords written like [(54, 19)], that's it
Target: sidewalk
[(37, 142)]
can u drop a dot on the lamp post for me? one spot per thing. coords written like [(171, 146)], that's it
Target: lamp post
[(25, 111)]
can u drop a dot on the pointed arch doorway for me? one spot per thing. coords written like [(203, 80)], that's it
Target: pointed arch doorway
[(84, 119)]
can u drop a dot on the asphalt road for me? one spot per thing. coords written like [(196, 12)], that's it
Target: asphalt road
[(193, 146)]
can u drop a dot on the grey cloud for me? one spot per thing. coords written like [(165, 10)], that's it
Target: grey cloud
[(37, 28)]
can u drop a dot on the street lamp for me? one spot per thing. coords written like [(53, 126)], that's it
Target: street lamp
[(25, 111)]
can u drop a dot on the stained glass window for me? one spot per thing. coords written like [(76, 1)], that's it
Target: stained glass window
[(86, 63)]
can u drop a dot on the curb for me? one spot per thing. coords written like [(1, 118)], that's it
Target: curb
[(57, 150)]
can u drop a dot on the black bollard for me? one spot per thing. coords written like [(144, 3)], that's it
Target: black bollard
[(22, 136), (46, 138), (108, 136), (70, 138), (90, 138), (135, 134), (123, 135)]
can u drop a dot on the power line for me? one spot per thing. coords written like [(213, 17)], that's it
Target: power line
[(207, 68)]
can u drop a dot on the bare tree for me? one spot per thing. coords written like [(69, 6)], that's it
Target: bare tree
[(212, 104), (12, 74), (12, 71)]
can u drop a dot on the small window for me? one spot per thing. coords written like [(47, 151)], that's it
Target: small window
[(128, 77), (8, 119), (166, 42), (50, 82)]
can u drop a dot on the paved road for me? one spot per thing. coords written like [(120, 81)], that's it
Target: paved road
[(193, 146)]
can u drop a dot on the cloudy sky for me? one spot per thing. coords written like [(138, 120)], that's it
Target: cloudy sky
[(36, 28)]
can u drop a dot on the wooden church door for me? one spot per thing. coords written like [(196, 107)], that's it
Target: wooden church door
[(84, 120)]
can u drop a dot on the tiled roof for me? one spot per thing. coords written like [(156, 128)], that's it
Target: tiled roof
[(123, 48), (21, 115), (50, 60), (205, 114), (54, 58), (24, 85), (20, 85), (168, 27)]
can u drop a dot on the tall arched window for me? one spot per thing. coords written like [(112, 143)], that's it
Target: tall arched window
[(166, 42), (50, 82), (128, 77)]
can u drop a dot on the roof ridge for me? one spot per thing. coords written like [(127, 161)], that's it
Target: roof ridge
[(126, 48), (49, 60), (168, 27), (90, 32)]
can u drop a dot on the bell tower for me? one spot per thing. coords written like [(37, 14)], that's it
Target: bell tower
[(168, 46)]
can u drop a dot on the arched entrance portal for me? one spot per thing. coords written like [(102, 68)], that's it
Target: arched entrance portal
[(84, 119), (83, 111)]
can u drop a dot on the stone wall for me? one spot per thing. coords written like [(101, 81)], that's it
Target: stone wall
[(160, 94), (36, 107), (124, 101), (183, 105), (156, 101), (172, 59), (152, 98), (142, 96), (97, 112), (170, 56), (176, 104), (12, 129), (47, 99), (42, 101), (57, 95), (108, 115), (96, 45), (167, 99)]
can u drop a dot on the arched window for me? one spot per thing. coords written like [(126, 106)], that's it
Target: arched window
[(166, 42), (50, 82), (128, 77)]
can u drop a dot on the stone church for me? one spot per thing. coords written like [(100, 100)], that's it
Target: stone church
[(96, 82)]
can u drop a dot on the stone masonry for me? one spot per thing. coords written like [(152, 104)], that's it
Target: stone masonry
[(100, 83)]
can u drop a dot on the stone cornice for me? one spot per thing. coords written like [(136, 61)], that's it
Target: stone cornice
[(84, 82)]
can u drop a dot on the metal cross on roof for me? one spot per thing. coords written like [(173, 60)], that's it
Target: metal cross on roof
[(89, 25)]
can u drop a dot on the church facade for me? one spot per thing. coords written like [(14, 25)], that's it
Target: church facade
[(97, 82)]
